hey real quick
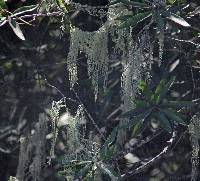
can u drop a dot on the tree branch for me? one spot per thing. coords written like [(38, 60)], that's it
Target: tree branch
[(153, 160)]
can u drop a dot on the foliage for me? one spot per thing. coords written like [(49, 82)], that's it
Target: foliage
[(132, 74), (155, 104)]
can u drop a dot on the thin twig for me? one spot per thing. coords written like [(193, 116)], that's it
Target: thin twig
[(153, 160), (185, 41), (193, 82), (89, 115), (142, 143), (57, 13)]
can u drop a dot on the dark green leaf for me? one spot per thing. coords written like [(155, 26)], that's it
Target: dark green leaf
[(137, 127), (165, 123), (109, 141), (163, 88), (138, 122), (133, 20), (141, 103), (124, 18), (145, 90), (178, 104), (136, 112), (155, 97), (173, 116), (130, 3), (160, 22), (83, 172), (174, 9)]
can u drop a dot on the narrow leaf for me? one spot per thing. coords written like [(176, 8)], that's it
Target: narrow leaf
[(160, 22), (163, 88), (135, 112), (134, 20), (195, 12), (61, 4), (83, 172), (16, 28), (25, 9), (144, 90), (137, 127), (130, 3), (109, 141), (174, 65), (171, 1), (173, 116), (178, 104), (177, 19), (107, 169), (164, 121)]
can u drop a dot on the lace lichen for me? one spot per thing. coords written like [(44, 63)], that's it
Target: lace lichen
[(95, 46), (194, 128), (55, 114), (32, 157), (78, 148)]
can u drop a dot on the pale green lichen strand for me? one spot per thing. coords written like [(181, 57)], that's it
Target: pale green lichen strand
[(194, 128)]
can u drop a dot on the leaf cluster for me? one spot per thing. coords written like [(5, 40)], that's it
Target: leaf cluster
[(155, 104)]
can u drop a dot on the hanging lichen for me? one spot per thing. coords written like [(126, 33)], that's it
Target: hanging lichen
[(55, 114), (194, 128), (95, 46), (32, 157), (78, 147), (136, 66), (136, 56)]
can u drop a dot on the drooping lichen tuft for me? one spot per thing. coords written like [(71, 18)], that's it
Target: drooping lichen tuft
[(194, 128)]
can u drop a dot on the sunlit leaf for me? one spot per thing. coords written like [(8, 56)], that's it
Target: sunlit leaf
[(25, 9), (171, 1), (16, 28), (144, 89), (163, 88), (62, 5), (131, 158), (177, 19), (174, 65), (3, 4), (195, 12), (109, 170)]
